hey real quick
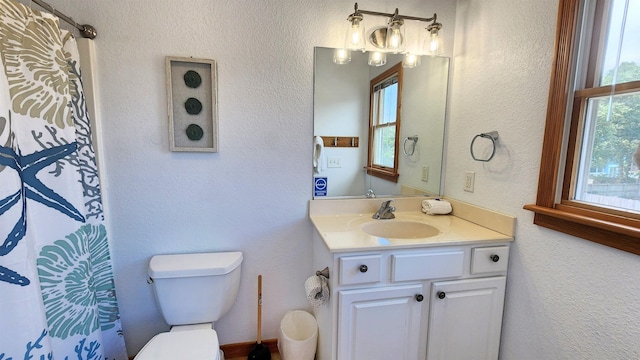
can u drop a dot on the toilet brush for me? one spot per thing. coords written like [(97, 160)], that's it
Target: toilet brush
[(259, 351)]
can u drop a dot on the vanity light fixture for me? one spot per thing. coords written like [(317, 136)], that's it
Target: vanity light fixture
[(354, 39), (410, 60), (395, 34), (377, 58), (341, 56), (391, 38), (433, 41)]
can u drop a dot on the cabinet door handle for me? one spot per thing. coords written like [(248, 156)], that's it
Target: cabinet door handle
[(363, 268), (494, 258), (442, 295), (419, 297)]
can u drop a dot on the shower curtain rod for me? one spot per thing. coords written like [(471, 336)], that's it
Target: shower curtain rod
[(86, 30)]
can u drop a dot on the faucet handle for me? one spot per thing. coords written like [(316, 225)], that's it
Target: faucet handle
[(370, 194), (390, 208)]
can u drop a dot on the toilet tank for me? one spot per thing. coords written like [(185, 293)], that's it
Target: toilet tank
[(195, 288)]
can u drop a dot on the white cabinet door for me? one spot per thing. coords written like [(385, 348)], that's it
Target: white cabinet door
[(379, 323), (465, 319)]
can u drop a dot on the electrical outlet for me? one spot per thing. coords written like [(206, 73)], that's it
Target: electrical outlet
[(469, 179), (425, 173), (334, 162)]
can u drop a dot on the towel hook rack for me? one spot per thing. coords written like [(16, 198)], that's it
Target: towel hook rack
[(493, 136)]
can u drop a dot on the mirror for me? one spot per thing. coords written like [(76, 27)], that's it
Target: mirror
[(341, 123)]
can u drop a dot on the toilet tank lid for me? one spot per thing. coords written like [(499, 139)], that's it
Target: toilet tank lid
[(185, 265)]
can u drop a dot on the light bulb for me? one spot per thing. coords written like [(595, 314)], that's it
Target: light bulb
[(355, 35), (341, 56), (433, 41), (410, 60), (434, 44), (395, 37), (377, 58)]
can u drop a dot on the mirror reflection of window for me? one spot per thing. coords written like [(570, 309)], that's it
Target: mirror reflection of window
[(384, 124), (385, 104)]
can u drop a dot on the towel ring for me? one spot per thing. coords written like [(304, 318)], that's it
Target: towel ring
[(413, 138), (493, 136)]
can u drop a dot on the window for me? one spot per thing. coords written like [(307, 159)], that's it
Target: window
[(589, 182), (384, 124)]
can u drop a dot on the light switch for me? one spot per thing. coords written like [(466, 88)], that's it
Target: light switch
[(334, 162), (425, 173)]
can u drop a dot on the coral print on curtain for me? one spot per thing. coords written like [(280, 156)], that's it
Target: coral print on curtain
[(57, 295)]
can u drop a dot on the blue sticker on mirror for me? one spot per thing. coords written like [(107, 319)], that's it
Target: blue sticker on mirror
[(320, 186)]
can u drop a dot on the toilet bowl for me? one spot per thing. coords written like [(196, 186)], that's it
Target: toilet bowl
[(192, 291)]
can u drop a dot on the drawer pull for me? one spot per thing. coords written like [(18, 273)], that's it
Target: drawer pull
[(363, 268), (442, 295), (494, 258), (419, 297)]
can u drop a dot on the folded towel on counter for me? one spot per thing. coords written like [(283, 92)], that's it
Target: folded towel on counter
[(317, 290), (436, 207)]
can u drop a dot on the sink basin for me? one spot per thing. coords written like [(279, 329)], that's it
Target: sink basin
[(399, 229)]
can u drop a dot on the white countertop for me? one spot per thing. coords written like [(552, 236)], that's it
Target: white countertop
[(342, 232)]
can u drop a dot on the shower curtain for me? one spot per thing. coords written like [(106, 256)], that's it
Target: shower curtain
[(57, 295)]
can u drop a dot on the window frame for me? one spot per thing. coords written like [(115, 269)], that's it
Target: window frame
[(383, 172), (616, 229)]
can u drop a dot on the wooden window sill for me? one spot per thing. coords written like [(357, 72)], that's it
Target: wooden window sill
[(382, 174), (598, 229)]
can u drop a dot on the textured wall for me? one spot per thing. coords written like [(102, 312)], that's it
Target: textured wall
[(252, 195), (566, 298)]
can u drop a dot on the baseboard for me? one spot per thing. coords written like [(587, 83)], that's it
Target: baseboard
[(243, 349)]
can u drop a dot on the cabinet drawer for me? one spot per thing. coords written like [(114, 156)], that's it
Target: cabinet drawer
[(489, 259), (433, 265), (360, 269)]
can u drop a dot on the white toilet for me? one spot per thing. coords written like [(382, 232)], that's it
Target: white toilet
[(193, 291)]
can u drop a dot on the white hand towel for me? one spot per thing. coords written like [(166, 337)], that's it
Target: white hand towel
[(318, 149), (317, 289), (436, 207)]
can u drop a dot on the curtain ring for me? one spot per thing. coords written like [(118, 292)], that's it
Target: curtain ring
[(493, 136)]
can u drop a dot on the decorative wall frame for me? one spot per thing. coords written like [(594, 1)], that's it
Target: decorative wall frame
[(192, 99)]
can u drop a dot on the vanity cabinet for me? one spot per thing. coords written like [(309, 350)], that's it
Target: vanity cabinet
[(379, 322), (465, 318), (420, 303)]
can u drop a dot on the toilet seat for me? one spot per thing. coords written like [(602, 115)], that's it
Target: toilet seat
[(201, 344)]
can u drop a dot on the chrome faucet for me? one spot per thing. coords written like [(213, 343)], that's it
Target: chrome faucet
[(386, 211), (370, 194)]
